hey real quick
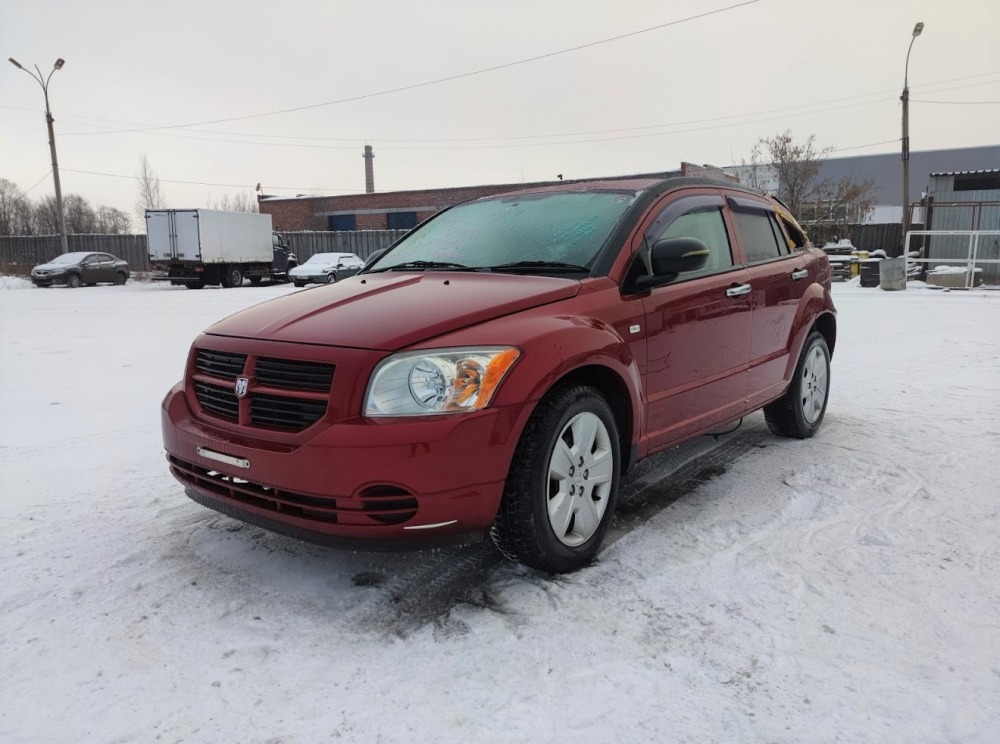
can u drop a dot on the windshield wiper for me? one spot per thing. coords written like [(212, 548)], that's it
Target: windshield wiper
[(422, 265), (543, 266)]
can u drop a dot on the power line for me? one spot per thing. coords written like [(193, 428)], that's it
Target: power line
[(113, 130), (201, 183), (459, 76), (542, 144), (956, 103), (348, 191), (37, 182)]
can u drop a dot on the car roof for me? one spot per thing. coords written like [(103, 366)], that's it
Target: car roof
[(333, 255), (632, 185)]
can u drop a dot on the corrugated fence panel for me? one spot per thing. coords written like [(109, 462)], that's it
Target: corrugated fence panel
[(18, 254), (361, 242)]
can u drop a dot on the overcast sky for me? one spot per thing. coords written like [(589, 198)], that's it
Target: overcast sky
[(701, 91)]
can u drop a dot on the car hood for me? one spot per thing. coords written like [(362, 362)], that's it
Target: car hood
[(53, 266), (309, 269), (390, 311)]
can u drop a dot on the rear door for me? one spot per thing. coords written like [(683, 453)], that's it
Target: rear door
[(778, 280), (697, 327), (187, 243)]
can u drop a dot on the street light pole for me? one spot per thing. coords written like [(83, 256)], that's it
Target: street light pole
[(905, 98), (64, 242)]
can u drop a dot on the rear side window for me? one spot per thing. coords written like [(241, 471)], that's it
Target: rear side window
[(760, 234)]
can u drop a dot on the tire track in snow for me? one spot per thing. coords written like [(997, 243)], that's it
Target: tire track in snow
[(445, 580)]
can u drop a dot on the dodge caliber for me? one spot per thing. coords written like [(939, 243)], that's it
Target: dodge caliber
[(500, 368)]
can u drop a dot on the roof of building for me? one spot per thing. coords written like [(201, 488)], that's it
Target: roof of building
[(966, 172)]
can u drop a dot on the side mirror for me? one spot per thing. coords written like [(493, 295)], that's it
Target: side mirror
[(672, 256)]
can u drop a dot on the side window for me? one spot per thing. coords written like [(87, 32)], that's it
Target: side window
[(707, 225), (760, 241), (90, 261), (795, 235)]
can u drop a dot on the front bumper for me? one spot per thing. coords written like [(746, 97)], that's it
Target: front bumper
[(379, 484), (48, 279), (312, 279)]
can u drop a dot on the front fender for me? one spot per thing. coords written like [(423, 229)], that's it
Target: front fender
[(553, 347)]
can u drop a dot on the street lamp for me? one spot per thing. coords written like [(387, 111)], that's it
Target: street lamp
[(905, 98), (52, 142)]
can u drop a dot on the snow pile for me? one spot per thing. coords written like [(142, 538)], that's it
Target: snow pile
[(838, 589), (951, 270), (14, 282)]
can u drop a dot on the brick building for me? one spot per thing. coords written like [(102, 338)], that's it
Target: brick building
[(401, 210)]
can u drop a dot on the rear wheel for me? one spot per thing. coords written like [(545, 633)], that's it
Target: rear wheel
[(299, 284), (800, 411), (120, 278), (563, 484), (200, 284), (73, 281)]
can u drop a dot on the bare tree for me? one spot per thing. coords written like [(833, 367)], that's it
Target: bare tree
[(111, 221), (793, 170), (243, 201), (15, 209), (150, 194), (80, 216), (45, 217)]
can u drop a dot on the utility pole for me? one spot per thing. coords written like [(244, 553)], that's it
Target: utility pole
[(64, 242), (905, 98)]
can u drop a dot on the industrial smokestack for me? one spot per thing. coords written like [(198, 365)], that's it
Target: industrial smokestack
[(369, 156)]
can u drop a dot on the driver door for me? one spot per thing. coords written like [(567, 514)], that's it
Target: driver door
[(697, 327)]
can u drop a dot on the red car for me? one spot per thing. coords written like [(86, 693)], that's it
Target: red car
[(501, 367)]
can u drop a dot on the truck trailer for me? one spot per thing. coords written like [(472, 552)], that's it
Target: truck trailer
[(197, 247)]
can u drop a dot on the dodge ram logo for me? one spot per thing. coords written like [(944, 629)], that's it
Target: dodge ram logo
[(241, 386)]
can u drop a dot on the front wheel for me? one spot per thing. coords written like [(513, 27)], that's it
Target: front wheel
[(233, 276), (563, 484), (800, 411), (73, 281)]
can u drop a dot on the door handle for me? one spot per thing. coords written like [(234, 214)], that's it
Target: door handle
[(799, 274), (738, 290)]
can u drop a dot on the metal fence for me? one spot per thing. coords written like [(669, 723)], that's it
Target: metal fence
[(18, 254), (888, 237)]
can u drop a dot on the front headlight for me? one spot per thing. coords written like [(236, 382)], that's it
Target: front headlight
[(419, 383)]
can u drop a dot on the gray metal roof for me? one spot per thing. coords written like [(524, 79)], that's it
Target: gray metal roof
[(966, 172)]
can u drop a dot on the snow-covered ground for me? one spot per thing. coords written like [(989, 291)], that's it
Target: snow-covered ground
[(841, 589)]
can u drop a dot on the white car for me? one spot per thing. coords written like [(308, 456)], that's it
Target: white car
[(326, 268)]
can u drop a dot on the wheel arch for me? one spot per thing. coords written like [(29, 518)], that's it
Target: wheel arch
[(615, 391), (826, 324)]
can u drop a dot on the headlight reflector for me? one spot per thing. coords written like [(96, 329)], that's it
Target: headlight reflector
[(419, 383)]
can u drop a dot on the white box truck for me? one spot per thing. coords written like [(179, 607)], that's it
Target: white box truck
[(195, 247)]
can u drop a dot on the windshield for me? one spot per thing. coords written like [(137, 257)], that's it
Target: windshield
[(65, 259), (568, 228), (324, 259)]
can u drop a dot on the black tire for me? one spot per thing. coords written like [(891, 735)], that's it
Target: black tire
[(73, 281), (523, 530), (288, 272), (299, 284), (120, 278), (331, 279), (196, 285), (232, 276), (795, 414)]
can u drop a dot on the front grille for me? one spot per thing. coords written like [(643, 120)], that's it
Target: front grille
[(378, 506), (287, 373), (284, 394), (218, 400), (285, 413), (220, 364)]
